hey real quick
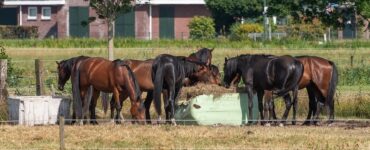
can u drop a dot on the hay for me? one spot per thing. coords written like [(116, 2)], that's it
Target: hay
[(205, 89)]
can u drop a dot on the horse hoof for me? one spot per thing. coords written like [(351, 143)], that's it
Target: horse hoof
[(281, 124), (94, 122), (267, 125), (173, 122), (293, 123), (306, 123)]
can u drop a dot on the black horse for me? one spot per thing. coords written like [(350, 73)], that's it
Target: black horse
[(168, 73), (263, 72)]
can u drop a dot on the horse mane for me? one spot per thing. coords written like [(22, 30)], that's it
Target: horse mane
[(68, 63)]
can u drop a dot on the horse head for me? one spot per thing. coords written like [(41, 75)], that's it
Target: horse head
[(63, 74)]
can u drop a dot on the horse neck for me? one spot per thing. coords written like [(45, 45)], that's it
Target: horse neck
[(189, 68)]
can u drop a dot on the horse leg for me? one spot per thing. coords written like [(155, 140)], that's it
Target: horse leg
[(331, 111), (260, 105), (116, 96), (288, 105), (84, 105), (171, 95), (94, 100), (295, 97), (147, 103), (119, 109), (112, 107), (248, 81), (311, 105), (266, 107)]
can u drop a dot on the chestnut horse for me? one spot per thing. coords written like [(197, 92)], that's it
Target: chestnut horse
[(108, 76), (320, 78), (65, 68)]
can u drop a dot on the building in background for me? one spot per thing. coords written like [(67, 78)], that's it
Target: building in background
[(149, 19)]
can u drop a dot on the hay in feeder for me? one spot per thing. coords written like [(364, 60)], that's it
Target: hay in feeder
[(205, 89)]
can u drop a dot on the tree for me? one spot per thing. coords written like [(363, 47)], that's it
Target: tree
[(363, 8), (226, 12), (110, 10)]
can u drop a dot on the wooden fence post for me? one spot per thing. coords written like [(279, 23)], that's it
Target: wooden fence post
[(39, 71), (61, 132), (3, 76)]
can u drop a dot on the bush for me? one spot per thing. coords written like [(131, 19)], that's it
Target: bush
[(16, 32), (355, 76), (14, 74), (241, 31), (202, 28), (305, 31)]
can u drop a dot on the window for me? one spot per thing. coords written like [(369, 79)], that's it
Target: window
[(32, 13), (46, 13)]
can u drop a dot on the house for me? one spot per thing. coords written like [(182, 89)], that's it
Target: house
[(149, 19)]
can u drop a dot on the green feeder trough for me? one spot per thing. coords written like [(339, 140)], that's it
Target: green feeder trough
[(227, 109)]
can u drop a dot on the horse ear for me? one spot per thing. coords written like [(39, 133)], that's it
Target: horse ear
[(57, 62), (225, 59), (212, 49)]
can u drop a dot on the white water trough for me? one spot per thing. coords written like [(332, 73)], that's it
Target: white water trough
[(37, 110)]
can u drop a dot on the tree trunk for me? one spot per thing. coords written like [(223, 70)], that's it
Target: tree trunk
[(110, 40)]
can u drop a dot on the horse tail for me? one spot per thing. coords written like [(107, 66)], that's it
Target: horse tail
[(333, 82), (77, 103), (297, 75), (158, 85), (136, 84)]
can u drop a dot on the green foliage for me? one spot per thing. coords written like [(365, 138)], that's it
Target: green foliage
[(355, 76), (241, 31), (305, 31), (14, 74), (17, 32), (227, 12), (110, 9), (202, 28)]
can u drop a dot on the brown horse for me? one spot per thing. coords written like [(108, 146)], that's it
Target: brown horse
[(113, 77), (142, 70), (320, 78)]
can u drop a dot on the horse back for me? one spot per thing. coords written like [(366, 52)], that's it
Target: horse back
[(143, 72), (316, 70), (98, 72)]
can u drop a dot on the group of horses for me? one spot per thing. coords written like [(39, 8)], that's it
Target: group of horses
[(165, 75)]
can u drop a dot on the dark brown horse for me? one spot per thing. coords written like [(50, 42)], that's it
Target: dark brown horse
[(263, 72), (113, 77), (143, 69), (203, 55), (320, 78)]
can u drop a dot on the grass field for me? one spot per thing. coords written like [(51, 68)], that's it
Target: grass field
[(185, 137), (353, 101)]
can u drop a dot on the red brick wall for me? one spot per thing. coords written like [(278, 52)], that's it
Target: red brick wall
[(142, 22), (183, 15), (98, 28), (46, 28)]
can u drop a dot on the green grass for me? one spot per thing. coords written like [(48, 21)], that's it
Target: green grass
[(352, 78), (219, 43)]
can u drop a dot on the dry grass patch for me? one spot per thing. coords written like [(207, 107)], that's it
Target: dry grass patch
[(187, 137)]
